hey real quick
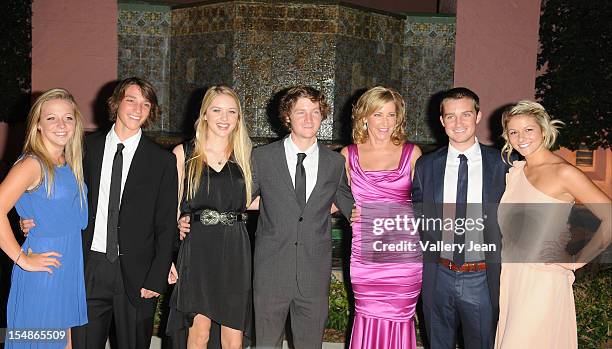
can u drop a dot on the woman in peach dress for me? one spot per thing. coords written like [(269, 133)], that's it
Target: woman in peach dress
[(536, 297)]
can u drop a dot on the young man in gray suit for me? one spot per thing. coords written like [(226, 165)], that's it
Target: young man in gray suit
[(298, 180)]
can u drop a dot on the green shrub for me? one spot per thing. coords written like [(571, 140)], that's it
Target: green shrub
[(593, 297), (338, 306), (158, 314)]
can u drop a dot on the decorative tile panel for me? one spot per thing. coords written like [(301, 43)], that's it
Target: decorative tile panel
[(143, 40), (262, 47), (427, 69)]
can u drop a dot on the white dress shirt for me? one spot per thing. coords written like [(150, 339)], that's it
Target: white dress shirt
[(311, 163), (110, 148), (474, 196)]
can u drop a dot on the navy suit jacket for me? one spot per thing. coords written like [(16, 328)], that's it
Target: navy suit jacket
[(428, 197)]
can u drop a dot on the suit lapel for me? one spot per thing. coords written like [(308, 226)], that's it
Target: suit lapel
[(439, 169), (95, 157), (487, 173), (139, 164), (284, 168), (323, 159)]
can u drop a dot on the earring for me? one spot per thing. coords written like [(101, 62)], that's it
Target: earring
[(365, 125)]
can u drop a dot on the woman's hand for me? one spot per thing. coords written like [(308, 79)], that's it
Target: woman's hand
[(39, 261), (355, 215), (568, 266), (184, 226), (172, 275)]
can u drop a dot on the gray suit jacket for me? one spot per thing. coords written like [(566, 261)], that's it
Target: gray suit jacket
[(292, 244)]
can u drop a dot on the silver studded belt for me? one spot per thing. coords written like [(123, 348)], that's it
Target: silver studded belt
[(212, 217)]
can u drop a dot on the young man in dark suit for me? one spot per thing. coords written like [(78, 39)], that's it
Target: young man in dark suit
[(132, 215), (462, 180), (127, 246)]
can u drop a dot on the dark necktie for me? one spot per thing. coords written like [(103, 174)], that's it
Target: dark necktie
[(114, 198), (461, 205), (300, 180)]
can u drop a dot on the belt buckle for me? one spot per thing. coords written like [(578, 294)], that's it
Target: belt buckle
[(454, 267), (209, 217), (228, 218)]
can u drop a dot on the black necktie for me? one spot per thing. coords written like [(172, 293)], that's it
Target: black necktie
[(114, 198), (300, 180), (461, 206)]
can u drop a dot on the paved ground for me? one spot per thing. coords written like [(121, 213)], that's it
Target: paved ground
[(156, 344)]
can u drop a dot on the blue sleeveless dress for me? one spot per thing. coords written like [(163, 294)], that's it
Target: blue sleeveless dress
[(39, 300)]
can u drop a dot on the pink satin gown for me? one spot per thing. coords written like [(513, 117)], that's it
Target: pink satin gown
[(386, 293)]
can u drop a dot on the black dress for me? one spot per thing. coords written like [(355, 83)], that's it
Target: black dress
[(214, 262)]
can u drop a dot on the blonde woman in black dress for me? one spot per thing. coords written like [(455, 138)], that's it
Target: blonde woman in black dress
[(213, 286)]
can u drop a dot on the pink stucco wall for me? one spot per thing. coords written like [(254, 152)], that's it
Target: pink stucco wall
[(74, 45), (496, 51)]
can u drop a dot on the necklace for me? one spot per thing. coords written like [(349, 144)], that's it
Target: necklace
[(220, 157)]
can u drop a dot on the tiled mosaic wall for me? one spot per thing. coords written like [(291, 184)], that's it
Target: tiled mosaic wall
[(265, 69), (144, 37), (278, 46), (201, 54), (427, 69), (368, 53), (261, 48)]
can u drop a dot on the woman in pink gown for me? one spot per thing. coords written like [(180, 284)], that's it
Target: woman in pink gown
[(386, 284)]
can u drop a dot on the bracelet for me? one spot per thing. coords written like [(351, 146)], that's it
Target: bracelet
[(18, 256)]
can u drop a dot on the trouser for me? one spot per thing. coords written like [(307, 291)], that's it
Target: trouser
[(461, 300), (107, 301), (308, 318)]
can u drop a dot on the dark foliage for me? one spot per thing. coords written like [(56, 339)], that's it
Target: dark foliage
[(15, 59), (576, 39)]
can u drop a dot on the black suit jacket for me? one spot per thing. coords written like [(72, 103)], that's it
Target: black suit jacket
[(147, 218), (428, 196)]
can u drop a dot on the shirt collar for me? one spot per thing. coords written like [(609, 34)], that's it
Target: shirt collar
[(472, 152), (295, 150), (130, 143)]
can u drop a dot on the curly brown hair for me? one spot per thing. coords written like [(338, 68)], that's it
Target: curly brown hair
[(291, 97), (147, 91)]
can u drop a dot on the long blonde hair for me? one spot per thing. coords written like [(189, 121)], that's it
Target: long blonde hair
[(549, 127), (239, 144), (73, 151)]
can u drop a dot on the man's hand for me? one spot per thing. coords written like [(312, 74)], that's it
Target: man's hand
[(25, 225), (172, 275), (183, 226), (144, 293)]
